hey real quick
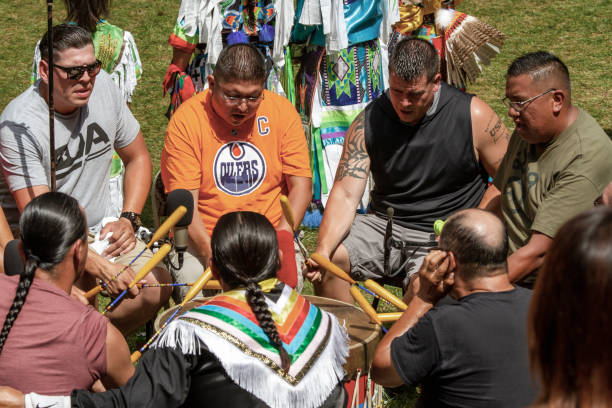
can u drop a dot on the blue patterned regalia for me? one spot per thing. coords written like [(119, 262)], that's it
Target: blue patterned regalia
[(343, 69), (204, 27)]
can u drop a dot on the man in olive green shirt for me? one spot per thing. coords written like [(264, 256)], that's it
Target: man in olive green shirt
[(557, 163)]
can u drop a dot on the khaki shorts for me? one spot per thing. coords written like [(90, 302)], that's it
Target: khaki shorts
[(365, 246), (125, 259)]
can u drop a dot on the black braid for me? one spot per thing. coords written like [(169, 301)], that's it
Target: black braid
[(244, 252), (49, 225), (257, 301), (25, 281)]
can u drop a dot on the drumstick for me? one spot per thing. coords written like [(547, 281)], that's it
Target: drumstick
[(365, 305), (287, 211), (151, 263), (330, 266), (195, 289), (389, 317), (385, 294), (161, 232), (212, 285), (361, 300)]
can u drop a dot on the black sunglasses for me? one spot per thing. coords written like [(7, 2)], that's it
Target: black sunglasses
[(75, 73)]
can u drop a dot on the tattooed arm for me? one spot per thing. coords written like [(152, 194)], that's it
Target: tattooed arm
[(489, 134), (350, 182)]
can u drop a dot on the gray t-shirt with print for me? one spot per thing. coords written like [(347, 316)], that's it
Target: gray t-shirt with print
[(84, 142)]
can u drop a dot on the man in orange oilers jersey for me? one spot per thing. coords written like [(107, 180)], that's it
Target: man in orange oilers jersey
[(237, 147)]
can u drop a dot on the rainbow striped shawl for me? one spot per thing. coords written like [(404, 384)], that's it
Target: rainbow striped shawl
[(315, 341)]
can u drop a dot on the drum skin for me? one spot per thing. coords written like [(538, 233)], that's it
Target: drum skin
[(364, 335)]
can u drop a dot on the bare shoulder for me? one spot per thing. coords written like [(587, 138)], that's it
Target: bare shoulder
[(354, 161), (487, 127)]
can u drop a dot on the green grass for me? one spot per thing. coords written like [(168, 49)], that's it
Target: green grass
[(578, 31)]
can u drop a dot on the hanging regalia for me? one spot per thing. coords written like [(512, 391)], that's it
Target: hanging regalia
[(226, 325), (464, 43), (204, 27), (343, 68)]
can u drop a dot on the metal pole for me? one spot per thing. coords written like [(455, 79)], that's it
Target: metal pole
[(51, 109)]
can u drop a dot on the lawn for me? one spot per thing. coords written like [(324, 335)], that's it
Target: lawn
[(579, 32)]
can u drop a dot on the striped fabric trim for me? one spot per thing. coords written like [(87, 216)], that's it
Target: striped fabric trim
[(303, 328)]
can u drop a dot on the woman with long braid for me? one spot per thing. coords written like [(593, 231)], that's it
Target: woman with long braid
[(50, 343), (258, 344)]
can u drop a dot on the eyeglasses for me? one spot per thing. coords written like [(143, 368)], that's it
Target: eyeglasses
[(520, 106), (236, 100), (76, 73)]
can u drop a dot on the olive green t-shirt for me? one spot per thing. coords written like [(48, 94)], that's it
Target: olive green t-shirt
[(544, 186)]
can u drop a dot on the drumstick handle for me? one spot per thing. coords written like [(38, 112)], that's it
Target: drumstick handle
[(287, 211), (170, 222), (160, 233), (92, 292), (385, 294), (151, 263), (195, 289), (331, 267), (365, 305), (389, 317), (197, 286)]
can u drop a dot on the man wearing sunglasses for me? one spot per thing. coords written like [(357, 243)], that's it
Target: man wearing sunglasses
[(429, 148), (91, 118), (557, 164), (236, 146)]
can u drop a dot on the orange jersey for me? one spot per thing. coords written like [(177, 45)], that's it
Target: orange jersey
[(235, 169)]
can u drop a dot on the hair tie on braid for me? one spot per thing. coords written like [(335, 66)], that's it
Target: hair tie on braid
[(29, 256)]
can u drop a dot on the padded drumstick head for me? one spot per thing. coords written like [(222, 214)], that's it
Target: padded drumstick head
[(390, 212), (177, 198), (13, 264)]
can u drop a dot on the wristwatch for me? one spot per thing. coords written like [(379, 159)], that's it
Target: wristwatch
[(134, 218)]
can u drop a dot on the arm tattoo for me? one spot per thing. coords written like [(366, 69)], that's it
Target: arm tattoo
[(496, 129), (354, 161)]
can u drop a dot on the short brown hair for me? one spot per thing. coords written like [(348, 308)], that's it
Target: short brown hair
[(240, 62)]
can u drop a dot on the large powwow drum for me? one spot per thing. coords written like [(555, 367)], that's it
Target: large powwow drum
[(363, 334)]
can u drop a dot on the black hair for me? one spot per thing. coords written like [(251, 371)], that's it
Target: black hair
[(413, 57), (477, 256), (251, 4), (240, 62), (540, 66), (65, 36), (87, 13), (49, 225), (245, 252)]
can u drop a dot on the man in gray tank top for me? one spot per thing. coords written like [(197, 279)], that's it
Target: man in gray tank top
[(429, 148), (89, 122)]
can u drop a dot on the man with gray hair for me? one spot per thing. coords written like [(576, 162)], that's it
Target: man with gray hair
[(236, 147), (430, 149), (471, 352), (557, 165)]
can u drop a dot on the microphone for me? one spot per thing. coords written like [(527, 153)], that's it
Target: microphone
[(13, 263), (175, 199)]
